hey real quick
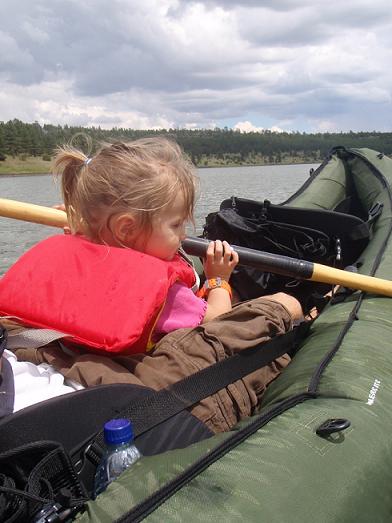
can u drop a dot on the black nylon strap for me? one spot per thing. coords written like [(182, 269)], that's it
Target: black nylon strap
[(166, 403)]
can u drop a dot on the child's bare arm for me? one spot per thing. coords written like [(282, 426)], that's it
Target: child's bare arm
[(219, 263)]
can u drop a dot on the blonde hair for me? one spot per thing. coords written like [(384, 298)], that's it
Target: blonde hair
[(141, 177)]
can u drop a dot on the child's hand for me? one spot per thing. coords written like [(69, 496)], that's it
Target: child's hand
[(220, 260), (61, 207)]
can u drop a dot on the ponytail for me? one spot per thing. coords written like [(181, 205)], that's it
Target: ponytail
[(70, 164)]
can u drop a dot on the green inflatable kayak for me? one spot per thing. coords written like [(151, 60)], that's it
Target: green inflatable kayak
[(319, 447), (275, 467)]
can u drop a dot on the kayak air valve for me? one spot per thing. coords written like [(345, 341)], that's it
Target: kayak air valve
[(332, 425)]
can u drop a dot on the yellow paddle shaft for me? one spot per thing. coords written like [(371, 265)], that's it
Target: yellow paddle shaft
[(351, 280), (30, 212)]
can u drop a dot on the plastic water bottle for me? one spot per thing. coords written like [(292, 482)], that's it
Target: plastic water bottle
[(120, 453)]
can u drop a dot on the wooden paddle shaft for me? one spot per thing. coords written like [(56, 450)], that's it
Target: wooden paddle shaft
[(29, 212), (197, 246), (351, 280)]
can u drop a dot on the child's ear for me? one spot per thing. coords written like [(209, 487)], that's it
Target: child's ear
[(124, 228)]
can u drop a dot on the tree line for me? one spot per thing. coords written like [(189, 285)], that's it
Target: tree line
[(223, 145)]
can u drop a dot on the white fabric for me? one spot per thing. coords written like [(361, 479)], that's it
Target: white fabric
[(35, 383)]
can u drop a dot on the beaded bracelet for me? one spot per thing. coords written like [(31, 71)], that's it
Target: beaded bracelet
[(214, 283)]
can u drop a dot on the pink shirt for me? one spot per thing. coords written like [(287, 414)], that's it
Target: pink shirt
[(182, 309)]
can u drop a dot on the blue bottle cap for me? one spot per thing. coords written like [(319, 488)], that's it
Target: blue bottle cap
[(118, 431)]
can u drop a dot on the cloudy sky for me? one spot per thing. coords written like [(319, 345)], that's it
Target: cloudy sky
[(295, 65)]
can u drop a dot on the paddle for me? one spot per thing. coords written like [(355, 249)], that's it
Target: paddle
[(301, 269), (30, 212), (264, 261)]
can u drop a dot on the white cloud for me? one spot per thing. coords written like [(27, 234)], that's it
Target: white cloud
[(306, 64), (248, 127), (46, 103)]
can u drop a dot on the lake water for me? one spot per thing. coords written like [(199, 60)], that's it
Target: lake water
[(275, 183)]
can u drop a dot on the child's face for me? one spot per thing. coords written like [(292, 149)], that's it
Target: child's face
[(168, 231)]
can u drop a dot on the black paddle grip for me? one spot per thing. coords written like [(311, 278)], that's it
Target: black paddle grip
[(264, 261)]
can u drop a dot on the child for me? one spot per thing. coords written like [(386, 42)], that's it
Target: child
[(129, 200), (118, 284)]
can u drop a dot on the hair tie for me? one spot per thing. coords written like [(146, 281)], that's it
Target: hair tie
[(87, 161)]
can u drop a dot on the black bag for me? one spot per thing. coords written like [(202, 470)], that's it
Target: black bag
[(38, 482), (55, 474), (320, 236)]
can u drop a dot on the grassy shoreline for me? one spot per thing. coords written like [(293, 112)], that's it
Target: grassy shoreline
[(34, 165), (26, 165)]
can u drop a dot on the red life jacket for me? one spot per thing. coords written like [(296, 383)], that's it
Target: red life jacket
[(104, 298)]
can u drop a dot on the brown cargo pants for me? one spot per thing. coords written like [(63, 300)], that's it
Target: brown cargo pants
[(184, 352)]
